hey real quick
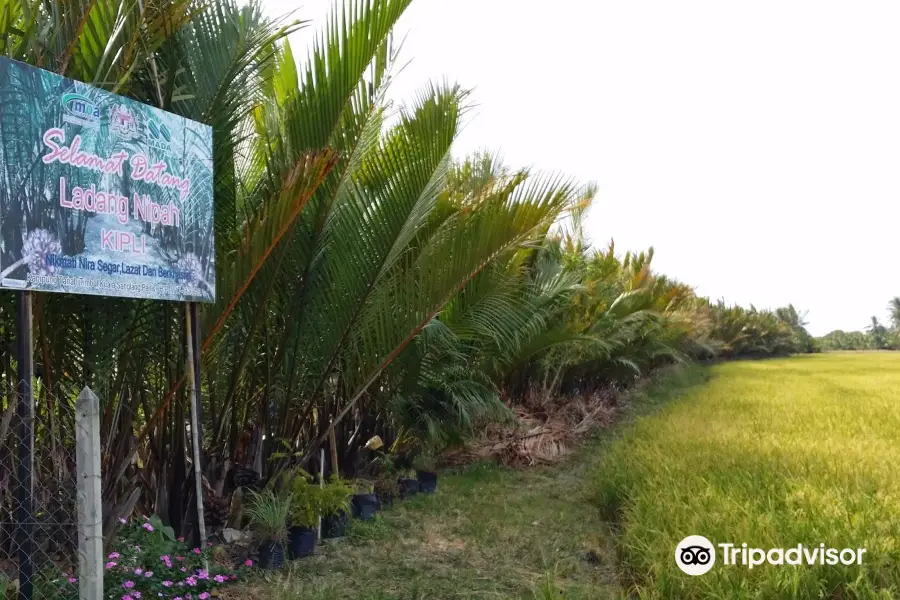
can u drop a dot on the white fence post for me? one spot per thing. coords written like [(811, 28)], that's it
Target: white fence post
[(90, 512)]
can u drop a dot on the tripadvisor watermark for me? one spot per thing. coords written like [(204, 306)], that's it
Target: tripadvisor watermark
[(696, 555)]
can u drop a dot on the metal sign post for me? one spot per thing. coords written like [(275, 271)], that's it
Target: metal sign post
[(25, 414), (193, 380)]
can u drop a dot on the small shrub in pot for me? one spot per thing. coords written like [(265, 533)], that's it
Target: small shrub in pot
[(408, 483), (269, 512), (306, 501), (386, 485), (335, 506), (386, 489), (426, 472), (364, 502)]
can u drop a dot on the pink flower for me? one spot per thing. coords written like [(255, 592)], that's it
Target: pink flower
[(113, 555), (127, 597), (167, 583), (179, 558), (122, 521), (191, 581), (248, 563), (147, 526), (165, 558), (148, 574), (183, 570), (138, 570), (73, 580), (204, 595), (128, 584), (220, 578), (110, 564), (177, 598), (136, 595), (196, 550)]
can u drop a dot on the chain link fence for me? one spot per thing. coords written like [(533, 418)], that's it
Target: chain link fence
[(40, 551)]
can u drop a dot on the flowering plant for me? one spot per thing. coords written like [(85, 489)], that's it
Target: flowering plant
[(148, 563), (152, 563)]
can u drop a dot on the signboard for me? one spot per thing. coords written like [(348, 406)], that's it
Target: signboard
[(100, 194)]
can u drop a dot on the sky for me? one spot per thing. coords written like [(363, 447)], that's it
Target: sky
[(754, 145)]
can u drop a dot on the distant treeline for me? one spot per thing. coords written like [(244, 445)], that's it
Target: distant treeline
[(876, 336)]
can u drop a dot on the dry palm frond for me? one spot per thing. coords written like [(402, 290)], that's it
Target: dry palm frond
[(545, 430)]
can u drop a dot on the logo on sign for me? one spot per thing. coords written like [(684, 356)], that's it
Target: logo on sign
[(80, 110), (123, 122), (160, 138)]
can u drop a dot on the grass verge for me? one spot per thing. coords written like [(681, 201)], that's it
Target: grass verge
[(487, 533)]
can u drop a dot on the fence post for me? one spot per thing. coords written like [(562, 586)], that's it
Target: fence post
[(90, 513)]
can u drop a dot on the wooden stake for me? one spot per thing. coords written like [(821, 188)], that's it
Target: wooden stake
[(332, 439), (321, 482)]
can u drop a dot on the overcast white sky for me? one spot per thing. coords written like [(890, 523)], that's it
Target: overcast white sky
[(755, 145)]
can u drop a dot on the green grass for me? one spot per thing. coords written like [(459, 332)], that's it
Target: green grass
[(768, 453), (488, 533)]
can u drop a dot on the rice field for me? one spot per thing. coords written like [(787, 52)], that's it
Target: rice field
[(773, 454)]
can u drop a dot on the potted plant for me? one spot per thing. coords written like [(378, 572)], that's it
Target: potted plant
[(386, 489), (364, 502), (385, 482), (335, 504), (408, 483), (426, 471), (305, 510), (268, 513)]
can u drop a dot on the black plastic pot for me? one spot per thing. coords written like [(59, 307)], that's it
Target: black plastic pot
[(271, 555), (301, 542), (334, 526), (385, 500), (364, 506), (427, 481), (408, 487)]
